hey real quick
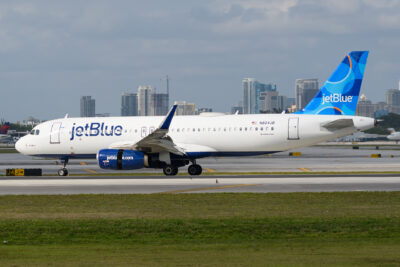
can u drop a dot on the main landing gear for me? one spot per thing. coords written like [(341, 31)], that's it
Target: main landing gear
[(194, 169), (170, 170), (63, 171)]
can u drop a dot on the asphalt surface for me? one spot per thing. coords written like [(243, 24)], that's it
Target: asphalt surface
[(313, 159), (205, 184)]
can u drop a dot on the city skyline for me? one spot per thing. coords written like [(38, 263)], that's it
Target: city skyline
[(52, 53)]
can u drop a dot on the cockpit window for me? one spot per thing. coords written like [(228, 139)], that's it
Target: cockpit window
[(35, 132)]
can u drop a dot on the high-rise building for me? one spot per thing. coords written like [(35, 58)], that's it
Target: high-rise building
[(160, 104), (252, 90), (129, 104), (185, 108), (365, 107), (145, 101), (269, 102), (203, 110), (88, 106), (282, 102), (305, 90), (393, 97)]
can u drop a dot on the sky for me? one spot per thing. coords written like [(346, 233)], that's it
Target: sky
[(54, 52)]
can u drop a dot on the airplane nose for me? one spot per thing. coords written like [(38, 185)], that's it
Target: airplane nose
[(19, 145)]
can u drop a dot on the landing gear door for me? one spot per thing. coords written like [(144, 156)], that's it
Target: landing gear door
[(293, 129), (55, 133)]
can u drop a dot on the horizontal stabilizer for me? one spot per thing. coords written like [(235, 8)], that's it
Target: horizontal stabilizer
[(339, 124)]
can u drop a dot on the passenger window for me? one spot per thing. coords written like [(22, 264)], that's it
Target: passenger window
[(198, 129), (194, 129), (240, 129), (256, 129), (215, 129), (272, 128), (224, 129), (177, 130), (245, 128), (37, 132), (261, 129)]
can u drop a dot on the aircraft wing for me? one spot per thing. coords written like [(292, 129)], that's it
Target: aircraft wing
[(338, 124), (157, 141)]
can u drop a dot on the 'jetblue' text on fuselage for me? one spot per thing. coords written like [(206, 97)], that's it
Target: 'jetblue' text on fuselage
[(95, 129)]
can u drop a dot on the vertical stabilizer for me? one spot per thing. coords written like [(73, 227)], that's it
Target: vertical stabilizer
[(339, 95)]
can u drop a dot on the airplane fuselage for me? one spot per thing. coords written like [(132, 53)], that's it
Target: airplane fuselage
[(199, 136)]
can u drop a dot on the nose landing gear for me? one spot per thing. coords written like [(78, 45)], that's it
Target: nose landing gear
[(63, 171)]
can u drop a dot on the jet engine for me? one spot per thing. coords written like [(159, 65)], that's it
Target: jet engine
[(120, 159)]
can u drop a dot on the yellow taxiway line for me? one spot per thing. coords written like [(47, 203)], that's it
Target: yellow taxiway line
[(89, 170)]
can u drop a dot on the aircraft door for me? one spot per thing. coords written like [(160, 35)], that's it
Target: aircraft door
[(293, 128), (55, 133)]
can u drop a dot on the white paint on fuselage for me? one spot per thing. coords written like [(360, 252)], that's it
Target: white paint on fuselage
[(228, 133)]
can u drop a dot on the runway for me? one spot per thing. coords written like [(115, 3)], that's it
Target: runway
[(206, 184), (313, 159)]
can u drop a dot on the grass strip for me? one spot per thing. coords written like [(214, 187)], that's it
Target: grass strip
[(179, 231), (202, 205), (8, 150)]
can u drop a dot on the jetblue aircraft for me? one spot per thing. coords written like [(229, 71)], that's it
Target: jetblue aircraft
[(170, 142)]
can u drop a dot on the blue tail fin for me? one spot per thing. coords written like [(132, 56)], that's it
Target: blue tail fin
[(339, 95)]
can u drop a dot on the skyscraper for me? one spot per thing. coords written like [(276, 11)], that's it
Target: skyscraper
[(305, 90), (145, 101), (252, 90), (88, 106), (269, 102), (185, 108), (129, 104), (393, 97), (160, 104)]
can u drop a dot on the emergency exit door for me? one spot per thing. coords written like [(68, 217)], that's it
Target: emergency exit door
[(293, 128)]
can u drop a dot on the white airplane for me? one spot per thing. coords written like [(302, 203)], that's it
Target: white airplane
[(393, 136), (127, 143)]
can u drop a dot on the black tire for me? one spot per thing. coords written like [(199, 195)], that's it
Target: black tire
[(199, 169), (195, 169), (170, 170), (63, 172)]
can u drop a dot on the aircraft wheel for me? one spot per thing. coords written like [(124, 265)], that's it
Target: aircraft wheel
[(170, 170), (195, 169), (63, 172)]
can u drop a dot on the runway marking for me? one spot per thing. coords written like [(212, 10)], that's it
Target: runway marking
[(83, 163), (209, 170), (305, 169), (89, 170), (208, 188)]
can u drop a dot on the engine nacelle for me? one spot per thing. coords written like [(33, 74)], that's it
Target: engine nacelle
[(120, 159)]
